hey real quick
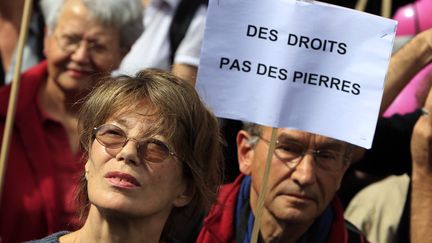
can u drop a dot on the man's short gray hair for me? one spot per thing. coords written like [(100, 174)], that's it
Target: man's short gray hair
[(125, 15), (252, 128)]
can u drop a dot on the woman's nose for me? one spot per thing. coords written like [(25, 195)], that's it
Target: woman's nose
[(129, 153), (82, 54)]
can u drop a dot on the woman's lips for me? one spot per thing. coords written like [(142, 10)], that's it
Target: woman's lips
[(122, 180), (77, 73)]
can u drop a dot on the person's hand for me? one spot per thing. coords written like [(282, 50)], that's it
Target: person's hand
[(405, 64), (421, 183), (421, 46), (421, 141), (421, 145)]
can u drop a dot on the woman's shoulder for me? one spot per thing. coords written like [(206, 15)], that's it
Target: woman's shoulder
[(54, 238)]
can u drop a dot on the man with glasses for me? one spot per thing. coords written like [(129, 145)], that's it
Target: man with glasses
[(300, 204), (84, 38)]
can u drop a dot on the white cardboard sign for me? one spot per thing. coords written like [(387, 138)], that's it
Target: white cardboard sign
[(303, 65)]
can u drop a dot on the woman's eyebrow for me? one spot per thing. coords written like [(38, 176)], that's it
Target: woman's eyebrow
[(120, 121)]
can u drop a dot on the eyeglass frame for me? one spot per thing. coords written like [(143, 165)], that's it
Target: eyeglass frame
[(91, 46), (138, 142), (293, 163)]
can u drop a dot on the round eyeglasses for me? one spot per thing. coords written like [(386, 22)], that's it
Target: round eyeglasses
[(114, 138), (291, 153), (70, 43)]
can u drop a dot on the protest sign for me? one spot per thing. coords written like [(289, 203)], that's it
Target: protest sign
[(302, 65)]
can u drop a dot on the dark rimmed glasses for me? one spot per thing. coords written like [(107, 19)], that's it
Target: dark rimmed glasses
[(114, 138), (291, 153)]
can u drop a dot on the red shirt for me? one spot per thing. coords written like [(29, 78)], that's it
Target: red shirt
[(41, 171), (67, 166)]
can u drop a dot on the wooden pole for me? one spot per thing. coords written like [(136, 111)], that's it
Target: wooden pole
[(361, 5), (263, 189), (10, 116), (386, 6)]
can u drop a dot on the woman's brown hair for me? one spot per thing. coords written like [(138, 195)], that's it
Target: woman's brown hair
[(181, 117)]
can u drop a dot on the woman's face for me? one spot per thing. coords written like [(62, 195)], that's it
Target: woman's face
[(121, 180), (80, 47)]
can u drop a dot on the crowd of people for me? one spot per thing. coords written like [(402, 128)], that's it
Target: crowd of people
[(111, 142)]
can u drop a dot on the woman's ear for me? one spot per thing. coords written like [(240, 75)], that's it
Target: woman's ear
[(185, 197), (245, 151), (86, 167)]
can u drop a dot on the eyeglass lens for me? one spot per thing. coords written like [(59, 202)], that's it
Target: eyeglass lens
[(114, 138), (291, 152), (70, 43)]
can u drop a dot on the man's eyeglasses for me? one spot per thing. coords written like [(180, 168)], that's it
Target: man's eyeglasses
[(114, 138), (291, 153), (70, 43)]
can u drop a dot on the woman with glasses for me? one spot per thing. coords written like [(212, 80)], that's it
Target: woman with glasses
[(83, 38), (152, 155)]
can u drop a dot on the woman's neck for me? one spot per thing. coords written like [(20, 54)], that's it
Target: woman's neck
[(105, 227), (63, 108), (57, 103)]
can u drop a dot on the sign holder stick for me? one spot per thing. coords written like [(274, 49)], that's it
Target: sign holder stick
[(10, 116), (263, 189), (386, 6), (361, 5)]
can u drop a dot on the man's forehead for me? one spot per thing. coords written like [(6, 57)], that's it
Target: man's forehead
[(302, 136)]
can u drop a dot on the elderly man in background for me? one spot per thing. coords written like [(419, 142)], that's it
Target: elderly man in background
[(300, 204), (84, 38)]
